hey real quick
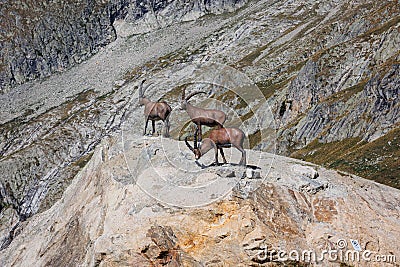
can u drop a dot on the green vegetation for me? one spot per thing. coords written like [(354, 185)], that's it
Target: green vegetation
[(320, 153), (254, 139), (68, 107), (382, 28), (347, 93), (247, 116), (230, 96), (83, 161), (378, 160), (248, 60), (268, 88), (180, 132), (173, 95)]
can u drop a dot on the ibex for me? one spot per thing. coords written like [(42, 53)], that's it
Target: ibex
[(154, 111), (201, 116), (218, 139)]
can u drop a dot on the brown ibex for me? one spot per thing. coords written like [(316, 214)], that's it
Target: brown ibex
[(218, 139), (201, 116), (154, 111)]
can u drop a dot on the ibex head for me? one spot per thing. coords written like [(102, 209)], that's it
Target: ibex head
[(185, 100), (196, 151), (141, 92)]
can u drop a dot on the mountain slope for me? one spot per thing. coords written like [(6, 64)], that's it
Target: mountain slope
[(42, 38), (110, 216), (316, 81)]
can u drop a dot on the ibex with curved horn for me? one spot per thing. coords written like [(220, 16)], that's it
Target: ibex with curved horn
[(201, 116), (154, 111), (218, 139)]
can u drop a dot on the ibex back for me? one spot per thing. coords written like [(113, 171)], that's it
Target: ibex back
[(201, 116)]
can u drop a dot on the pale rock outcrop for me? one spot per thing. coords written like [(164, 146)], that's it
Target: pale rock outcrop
[(326, 72), (104, 219)]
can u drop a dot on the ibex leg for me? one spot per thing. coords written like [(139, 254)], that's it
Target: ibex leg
[(222, 154), (216, 156), (153, 123), (243, 159), (145, 125), (199, 137), (166, 125), (196, 134)]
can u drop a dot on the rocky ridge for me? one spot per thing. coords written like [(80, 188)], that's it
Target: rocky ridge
[(327, 75), (111, 216)]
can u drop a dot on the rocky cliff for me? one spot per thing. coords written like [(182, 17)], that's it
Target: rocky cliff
[(144, 202), (41, 38), (47, 136), (313, 80)]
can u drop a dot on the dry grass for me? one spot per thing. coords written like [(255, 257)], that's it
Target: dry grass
[(347, 93), (378, 160)]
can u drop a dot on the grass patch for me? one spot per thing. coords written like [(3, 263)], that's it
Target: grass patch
[(378, 160), (254, 139), (173, 95), (247, 116), (69, 107), (296, 121), (248, 59), (82, 161), (347, 93), (229, 97), (382, 28), (268, 88), (322, 153), (158, 64), (179, 133)]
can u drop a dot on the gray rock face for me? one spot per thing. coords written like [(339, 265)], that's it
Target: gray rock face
[(42, 152), (50, 36), (368, 115), (325, 72), (41, 38), (368, 112), (37, 163)]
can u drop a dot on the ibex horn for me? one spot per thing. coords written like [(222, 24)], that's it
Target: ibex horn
[(146, 87), (193, 94), (195, 137), (195, 129), (188, 145), (141, 93), (183, 93)]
